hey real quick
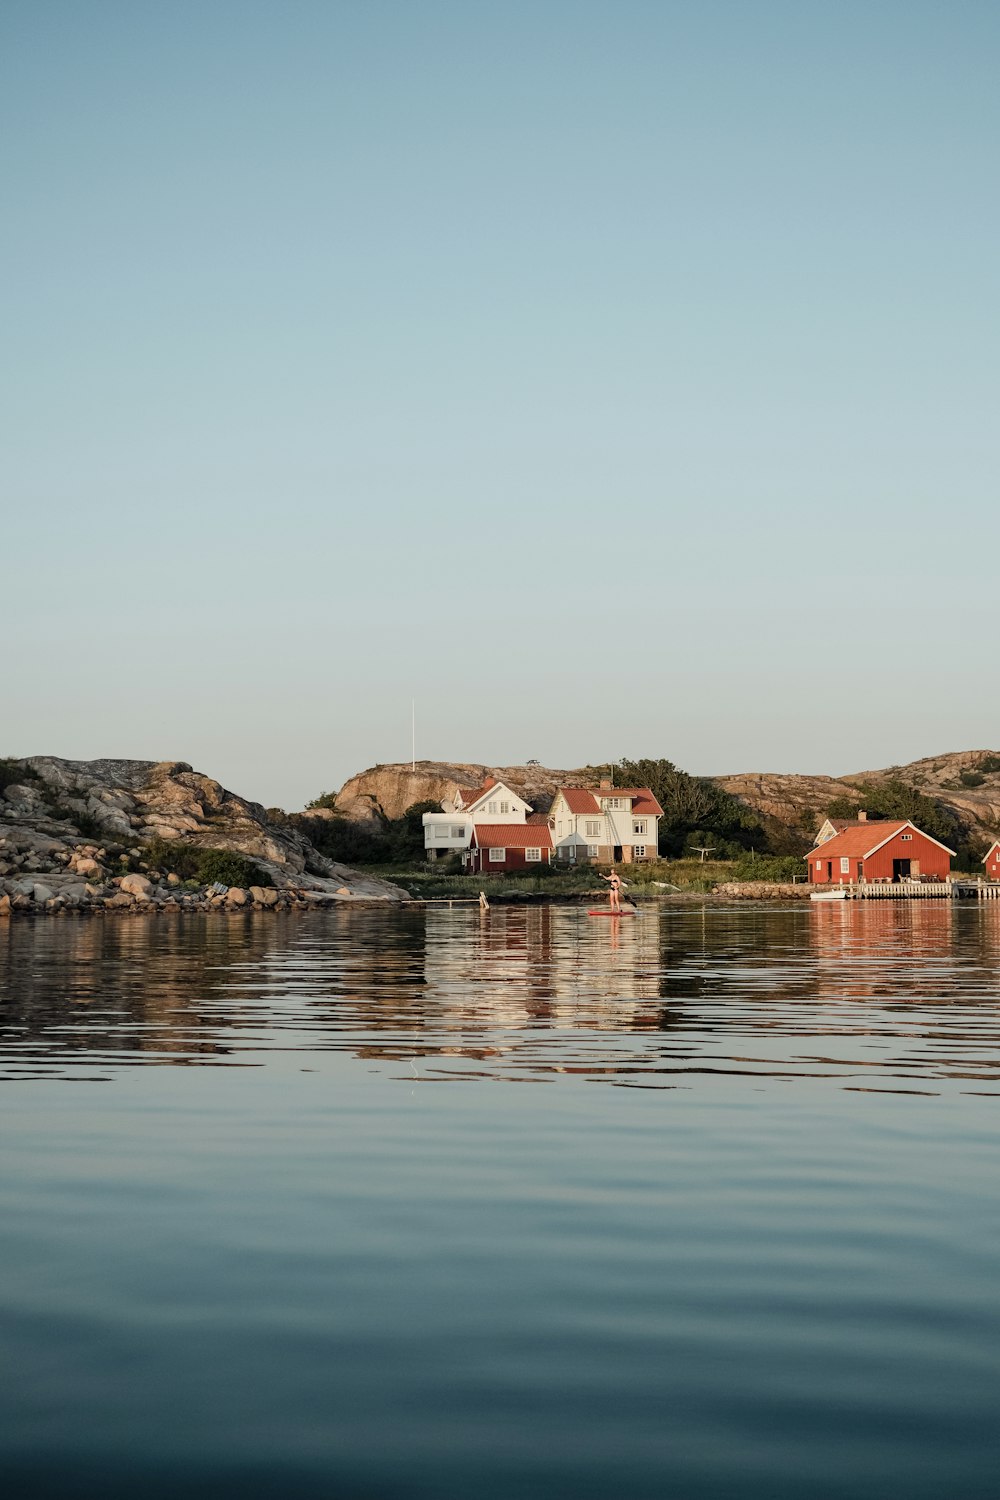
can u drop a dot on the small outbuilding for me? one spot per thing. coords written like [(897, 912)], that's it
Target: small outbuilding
[(992, 861), (498, 848), (870, 851)]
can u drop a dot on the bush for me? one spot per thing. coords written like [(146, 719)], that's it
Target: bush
[(971, 778), (772, 867), (989, 764), (204, 866), (15, 773)]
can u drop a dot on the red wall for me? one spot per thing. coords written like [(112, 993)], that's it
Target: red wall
[(993, 865), (919, 849), (515, 861)]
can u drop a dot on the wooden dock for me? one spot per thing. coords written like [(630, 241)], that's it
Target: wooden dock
[(919, 890)]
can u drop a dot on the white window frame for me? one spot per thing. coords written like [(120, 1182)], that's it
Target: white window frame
[(819, 864), (504, 807), (457, 833), (845, 864), (498, 856), (593, 851), (592, 828), (532, 856), (491, 807), (639, 828), (639, 851), (906, 838)]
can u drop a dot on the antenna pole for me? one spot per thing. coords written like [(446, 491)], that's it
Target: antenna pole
[(413, 732)]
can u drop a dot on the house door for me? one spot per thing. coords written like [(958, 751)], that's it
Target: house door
[(616, 854), (829, 869), (901, 869)]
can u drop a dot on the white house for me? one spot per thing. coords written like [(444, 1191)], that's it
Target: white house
[(612, 825), (450, 832)]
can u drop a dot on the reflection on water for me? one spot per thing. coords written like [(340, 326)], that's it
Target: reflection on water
[(888, 996), (350, 1218)]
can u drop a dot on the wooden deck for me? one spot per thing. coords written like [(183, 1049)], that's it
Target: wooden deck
[(919, 890)]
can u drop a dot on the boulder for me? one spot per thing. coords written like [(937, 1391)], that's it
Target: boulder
[(136, 885), (4, 906), (41, 893), (236, 897)]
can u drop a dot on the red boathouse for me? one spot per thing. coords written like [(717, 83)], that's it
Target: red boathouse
[(498, 848), (992, 861), (889, 851)]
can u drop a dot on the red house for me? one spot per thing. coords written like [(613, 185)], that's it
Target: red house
[(879, 851), (498, 848), (992, 861)]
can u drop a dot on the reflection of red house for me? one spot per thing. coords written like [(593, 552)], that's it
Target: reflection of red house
[(497, 848), (992, 861), (879, 851)]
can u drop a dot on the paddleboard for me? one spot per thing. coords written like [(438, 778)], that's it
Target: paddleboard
[(625, 912)]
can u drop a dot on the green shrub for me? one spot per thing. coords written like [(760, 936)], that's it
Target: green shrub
[(204, 866), (971, 778), (772, 867), (15, 773)]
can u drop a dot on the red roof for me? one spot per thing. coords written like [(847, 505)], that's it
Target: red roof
[(470, 795), (512, 836), (643, 800), (860, 840), (580, 799)]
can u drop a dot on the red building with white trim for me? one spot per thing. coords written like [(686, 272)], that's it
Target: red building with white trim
[(498, 848), (888, 851), (992, 861)]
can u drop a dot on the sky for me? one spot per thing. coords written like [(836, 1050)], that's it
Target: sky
[(612, 379)]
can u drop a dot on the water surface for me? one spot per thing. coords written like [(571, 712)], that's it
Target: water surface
[(700, 1203)]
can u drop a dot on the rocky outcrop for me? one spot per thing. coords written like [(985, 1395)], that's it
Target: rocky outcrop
[(73, 833), (387, 792), (799, 803)]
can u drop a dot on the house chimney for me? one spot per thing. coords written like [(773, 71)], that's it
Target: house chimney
[(605, 786), (489, 781), (862, 816)]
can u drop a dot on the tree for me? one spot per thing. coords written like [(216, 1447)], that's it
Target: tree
[(695, 810)]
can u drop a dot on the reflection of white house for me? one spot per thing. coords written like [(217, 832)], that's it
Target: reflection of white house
[(450, 832), (611, 824)]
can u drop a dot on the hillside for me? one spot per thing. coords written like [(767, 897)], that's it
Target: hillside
[(791, 805), (65, 826), (387, 791)]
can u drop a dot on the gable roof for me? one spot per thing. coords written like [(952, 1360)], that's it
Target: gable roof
[(512, 835), (995, 845), (472, 798), (643, 800), (862, 840), (580, 799)]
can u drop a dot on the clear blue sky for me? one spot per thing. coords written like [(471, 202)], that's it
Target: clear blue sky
[(616, 379)]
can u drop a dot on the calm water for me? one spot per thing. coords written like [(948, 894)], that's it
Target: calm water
[(699, 1204)]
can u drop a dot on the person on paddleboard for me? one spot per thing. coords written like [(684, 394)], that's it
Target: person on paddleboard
[(614, 895)]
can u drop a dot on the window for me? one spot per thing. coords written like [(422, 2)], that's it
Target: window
[(491, 807), (639, 851), (505, 807), (592, 829), (615, 803), (458, 833), (532, 855), (845, 865), (440, 833), (906, 838), (639, 827), (497, 856), (819, 864), (592, 851)]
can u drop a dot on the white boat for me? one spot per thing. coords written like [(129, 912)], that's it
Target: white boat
[(837, 894)]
